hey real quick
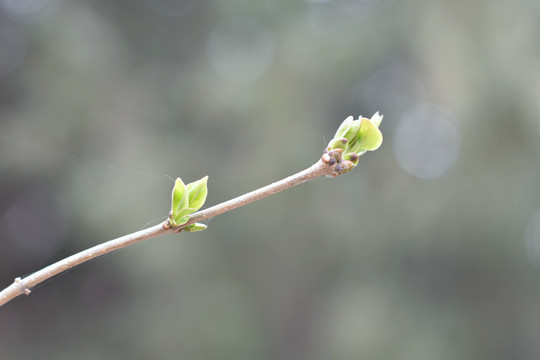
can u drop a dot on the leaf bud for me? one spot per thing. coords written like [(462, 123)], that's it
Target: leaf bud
[(195, 227)]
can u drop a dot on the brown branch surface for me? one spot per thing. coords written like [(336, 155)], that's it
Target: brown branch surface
[(24, 286)]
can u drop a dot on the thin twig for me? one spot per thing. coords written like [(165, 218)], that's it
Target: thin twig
[(24, 286)]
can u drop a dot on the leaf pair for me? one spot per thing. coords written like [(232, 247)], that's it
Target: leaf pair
[(186, 199)]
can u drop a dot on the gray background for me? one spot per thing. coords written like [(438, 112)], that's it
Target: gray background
[(430, 249)]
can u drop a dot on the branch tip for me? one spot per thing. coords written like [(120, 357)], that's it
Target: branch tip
[(353, 139)]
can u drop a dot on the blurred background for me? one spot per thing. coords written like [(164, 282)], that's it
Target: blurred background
[(430, 249)]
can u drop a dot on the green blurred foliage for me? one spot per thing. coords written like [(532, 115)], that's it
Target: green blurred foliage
[(428, 249)]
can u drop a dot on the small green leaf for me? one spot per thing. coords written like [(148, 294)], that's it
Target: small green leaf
[(181, 217), (195, 227), (185, 211), (174, 222), (355, 148), (343, 128), (338, 143), (179, 221), (197, 193), (352, 133), (179, 196), (376, 119), (369, 136)]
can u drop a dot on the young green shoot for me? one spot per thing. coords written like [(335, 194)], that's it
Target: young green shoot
[(352, 140)]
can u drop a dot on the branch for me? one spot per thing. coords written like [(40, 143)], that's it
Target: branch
[(317, 170), (23, 286), (336, 160)]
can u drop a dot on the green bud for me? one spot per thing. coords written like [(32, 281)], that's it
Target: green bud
[(195, 227), (352, 157), (197, 193), (336, 153), (352, 140), (347, 165), (186, 200), (344, 127)]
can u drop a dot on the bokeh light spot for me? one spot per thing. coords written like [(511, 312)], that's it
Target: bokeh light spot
[(426, 143), (241, 50)]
